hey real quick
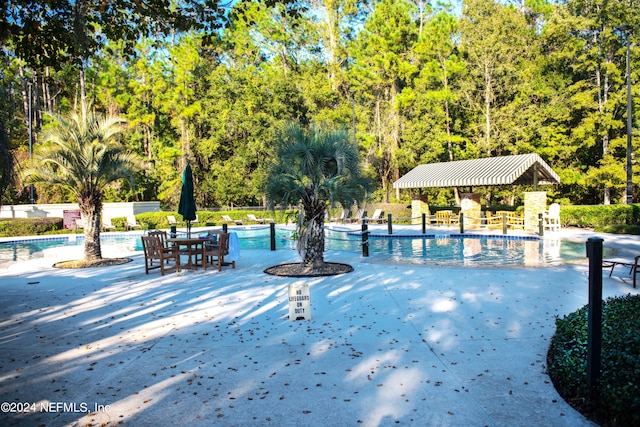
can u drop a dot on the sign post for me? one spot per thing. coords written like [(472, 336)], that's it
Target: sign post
[(299, 302), (594, 319)]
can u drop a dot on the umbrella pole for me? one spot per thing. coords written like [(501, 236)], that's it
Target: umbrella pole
[(188, 229)]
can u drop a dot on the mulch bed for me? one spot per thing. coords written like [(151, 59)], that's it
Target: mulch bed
[(301, 270), (81, 263)]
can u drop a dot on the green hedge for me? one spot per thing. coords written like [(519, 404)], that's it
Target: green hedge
[(30, 226), (159, 220), (599, 216), (618, 397)]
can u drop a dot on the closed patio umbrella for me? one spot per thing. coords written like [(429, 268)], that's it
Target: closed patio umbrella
[(187, 206)]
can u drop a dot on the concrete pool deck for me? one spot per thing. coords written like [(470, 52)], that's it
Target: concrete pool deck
[(389, 343)]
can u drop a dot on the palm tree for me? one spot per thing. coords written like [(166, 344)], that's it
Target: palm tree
[(315, 167), (82, 153)]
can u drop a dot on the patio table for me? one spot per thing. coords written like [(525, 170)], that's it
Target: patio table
[(193, 246)]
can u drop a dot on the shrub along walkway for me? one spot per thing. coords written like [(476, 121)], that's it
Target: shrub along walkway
[(387, 343)]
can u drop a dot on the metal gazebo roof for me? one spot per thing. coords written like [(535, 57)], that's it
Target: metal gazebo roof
[(521, 169)]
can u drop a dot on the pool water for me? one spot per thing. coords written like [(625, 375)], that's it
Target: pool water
[(448, 249), (478, 250)]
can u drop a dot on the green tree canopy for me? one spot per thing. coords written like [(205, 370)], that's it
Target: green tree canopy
[(315, 167), (82, 154)]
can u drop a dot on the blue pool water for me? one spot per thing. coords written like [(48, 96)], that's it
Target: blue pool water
[(447, 249)]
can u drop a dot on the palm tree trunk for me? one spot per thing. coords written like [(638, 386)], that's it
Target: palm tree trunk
[(92, 249), (314, 254), (91, 208), (312, 233)]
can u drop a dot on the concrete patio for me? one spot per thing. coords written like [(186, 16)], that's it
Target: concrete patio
[(388, 344)]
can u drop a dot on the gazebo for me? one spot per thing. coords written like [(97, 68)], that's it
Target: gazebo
[(521, 169)]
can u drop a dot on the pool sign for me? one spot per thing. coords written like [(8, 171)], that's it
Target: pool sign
[(299, 302)]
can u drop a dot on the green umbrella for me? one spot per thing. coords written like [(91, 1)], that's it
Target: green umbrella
[(187, 206)]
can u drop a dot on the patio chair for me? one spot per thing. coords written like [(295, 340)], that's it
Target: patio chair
[(172, 220), (132, 223), (632, 264), (216, 251), (495, 220), (377, 217), (162, 235), (228, 219), (154, 251), (107, 225), (443, 217), (515, 220), (454, 218), (551, 217)]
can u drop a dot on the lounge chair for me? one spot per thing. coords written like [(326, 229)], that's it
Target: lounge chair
[(632, 264), (132, 223), (228, 220), (107, 225), (344, 215), (358, 217), (215, 252), (551, 217), (257, 220), (154, 250), (377, 217), (172, 220)]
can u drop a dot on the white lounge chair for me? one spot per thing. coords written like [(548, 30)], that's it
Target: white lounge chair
[(344, 214), (132, 223), (228, 219), (107, 225), (358, 217), (377, 217), (257, 220)]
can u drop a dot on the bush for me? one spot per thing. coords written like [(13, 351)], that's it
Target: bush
[(400, 212), (619, 229), (618, 401), (599, 216), (119, 222), (159, 220), (12, 227)]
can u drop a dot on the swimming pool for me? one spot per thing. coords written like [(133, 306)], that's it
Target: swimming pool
[(458, 249)]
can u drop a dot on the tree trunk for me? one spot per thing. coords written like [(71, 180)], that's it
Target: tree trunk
[(312, 237), (487, 109), (314, 255), (91, 209), (26, 93)]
